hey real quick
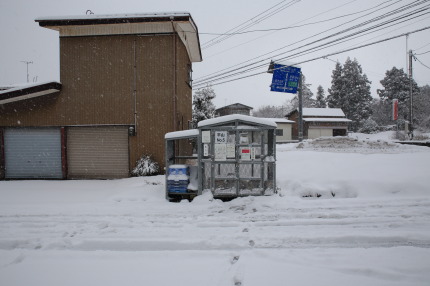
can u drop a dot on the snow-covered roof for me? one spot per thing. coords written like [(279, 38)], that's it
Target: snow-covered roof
[(335, 119), (122, 24), (332, 112), (279, 120), (30, 90), (323, 112), (235, 105), (114, 16), (234, 117), (182, 134)]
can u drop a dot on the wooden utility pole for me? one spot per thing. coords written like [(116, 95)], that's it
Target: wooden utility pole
[(411, 128), (300, 94)]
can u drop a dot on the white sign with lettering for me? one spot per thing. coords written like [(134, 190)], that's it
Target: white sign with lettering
[(220, 137), (220, 152)]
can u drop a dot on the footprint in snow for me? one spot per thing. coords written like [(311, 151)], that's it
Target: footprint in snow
[(234, 259)]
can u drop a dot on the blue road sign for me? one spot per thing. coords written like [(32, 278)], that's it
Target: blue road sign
[(285, 78)]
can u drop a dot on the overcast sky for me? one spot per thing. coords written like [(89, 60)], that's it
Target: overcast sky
[(23, 40)]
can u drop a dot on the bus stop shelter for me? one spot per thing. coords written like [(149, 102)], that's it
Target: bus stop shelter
[(231, 156)]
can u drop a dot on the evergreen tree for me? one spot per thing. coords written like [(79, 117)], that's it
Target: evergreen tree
[(203, 108), (320, 102), (335, 92), (396, 86), (350, 91)]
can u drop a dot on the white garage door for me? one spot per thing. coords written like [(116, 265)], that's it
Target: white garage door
[(314, 133), (32, 153), (97, 152)]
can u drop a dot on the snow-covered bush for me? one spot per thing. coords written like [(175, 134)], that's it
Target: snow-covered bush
[(146, 166), (369, 126)]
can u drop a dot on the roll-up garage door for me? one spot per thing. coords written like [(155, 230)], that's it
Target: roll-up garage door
[(314, 133), (32, 153), (97, 152)]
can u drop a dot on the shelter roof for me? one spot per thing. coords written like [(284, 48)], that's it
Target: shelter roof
[(237, 117)]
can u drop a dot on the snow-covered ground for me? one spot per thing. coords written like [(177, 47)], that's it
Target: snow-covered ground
[(348, 212)]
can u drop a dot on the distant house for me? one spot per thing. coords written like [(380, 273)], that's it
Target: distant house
[(284, 129), (125, 81), (318, 122), (236, 108)]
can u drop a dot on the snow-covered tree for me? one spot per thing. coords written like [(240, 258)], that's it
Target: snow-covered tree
[(350, 91), (203, 108), (422, 108), (396, 85), (382, 112), (270, 111), (334, 97), (146, 166), (369, 126), (320, 101)]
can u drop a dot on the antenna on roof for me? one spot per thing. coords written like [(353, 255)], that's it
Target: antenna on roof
[(27, 63), (89, 12)]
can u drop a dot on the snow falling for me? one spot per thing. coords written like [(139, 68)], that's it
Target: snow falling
[(350, 211)]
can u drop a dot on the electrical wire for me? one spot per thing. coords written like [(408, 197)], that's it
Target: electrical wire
[(302, 53), (295, 26), (253, 21), (223, 75), (423, 53), (310, 37), (422, 63), (332, 54), (277, 30)]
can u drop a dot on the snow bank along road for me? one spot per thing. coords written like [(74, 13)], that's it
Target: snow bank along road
[(361, 225)]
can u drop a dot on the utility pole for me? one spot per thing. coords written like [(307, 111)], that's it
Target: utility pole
[(300, 94), (27, 63), (411, 128)]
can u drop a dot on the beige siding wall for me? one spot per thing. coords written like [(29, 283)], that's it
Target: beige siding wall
[(287, 132)]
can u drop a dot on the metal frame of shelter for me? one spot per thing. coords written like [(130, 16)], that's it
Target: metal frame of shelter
[(235, 156)]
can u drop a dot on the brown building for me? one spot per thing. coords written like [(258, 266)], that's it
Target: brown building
[(125, 82), (318, 122), (236, 108)]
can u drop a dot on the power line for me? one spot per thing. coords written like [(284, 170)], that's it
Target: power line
[(332, 54), (292, 27), (224, 75), (422, 63), (314, 16), (423, 53), (321, 39), (253, 21)]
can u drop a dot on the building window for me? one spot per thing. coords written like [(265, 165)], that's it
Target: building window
[(279, 132)]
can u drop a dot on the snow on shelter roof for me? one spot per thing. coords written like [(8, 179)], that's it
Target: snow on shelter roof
[(182, 134), (234, 117), (122, 24)]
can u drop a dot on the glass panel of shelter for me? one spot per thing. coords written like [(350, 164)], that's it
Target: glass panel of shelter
[(240, 169)]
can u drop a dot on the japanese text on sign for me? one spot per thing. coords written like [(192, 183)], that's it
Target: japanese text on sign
[(285, 78)]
